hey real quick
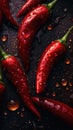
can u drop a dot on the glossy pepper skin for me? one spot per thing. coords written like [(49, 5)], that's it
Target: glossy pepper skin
[(59, 109), (49, 58), (29, 26), (5, 11), (28, 6), (17, 76)]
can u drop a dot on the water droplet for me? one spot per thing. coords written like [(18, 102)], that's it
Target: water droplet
[(15, 54), (4, 38), (64, 82), (5, 113), (69, 47), (54, 94), (67, 61), (7, 50), (57, 84), (70, 40), (70, 84), (21, 115), (18, 113), (13, 105), (50, 27), (67, 88), (65, 9), (29, 122)]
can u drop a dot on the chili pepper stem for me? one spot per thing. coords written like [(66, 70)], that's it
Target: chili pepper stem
[(64, 38), (51, 4), (3, 54)]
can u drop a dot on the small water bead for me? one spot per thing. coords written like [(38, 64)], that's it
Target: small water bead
[(18, 113), (16, 54), (4, 38), (70, 40), (69, 46), (64, 82), (54, 94), (67, 61), (67, 88), (7, 49), (21, 115), (5, 113), (70, 84), (65, 9), (50, 27), (13, 105), (57, 85)]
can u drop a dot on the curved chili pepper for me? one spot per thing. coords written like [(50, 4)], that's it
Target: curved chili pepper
[(2, 85), (30, 4), (29, 26), (18, 78), (59, 109), (4, 10), (50, 56)]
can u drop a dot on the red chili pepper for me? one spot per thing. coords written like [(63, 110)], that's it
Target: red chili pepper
[(30, 4), (2, 85), (4, 10), (18, 78), (29, 26), (50, 56), (60, 110)]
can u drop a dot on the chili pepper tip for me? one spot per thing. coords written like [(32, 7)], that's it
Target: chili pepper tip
[(51, 4), (3, 54), (64, 38)]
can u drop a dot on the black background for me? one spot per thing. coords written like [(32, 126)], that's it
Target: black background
[(14, 121)]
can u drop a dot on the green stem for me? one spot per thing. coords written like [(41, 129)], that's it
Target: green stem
[(64, 38), (3, 54), (51, 4)]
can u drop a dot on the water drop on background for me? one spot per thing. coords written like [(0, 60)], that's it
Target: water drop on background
[(5, 113), (54, 94), (4, 38), (70, 84), (50, 27), (13, 105), (67, 61), (64, 82), (57, 85), (67, 88)]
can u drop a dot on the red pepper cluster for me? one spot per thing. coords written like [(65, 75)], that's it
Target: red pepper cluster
[(36, 16)]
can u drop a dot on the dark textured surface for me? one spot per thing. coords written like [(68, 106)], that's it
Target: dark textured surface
[(14, 121)]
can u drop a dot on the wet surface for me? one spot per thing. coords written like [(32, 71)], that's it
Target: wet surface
[(60, 82)]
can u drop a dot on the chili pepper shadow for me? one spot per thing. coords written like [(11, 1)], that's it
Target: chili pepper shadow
[(54, 123), (1, 112)]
